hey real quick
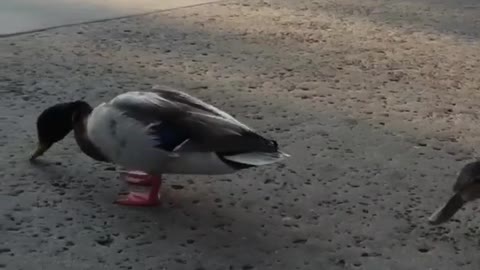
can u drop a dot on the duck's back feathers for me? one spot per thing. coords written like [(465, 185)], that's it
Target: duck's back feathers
[(187, 124), (179, 128)]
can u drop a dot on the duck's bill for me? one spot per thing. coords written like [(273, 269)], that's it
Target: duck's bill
[(41, 148), (446, 212)]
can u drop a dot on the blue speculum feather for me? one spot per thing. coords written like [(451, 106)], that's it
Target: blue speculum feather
[(167, 136)]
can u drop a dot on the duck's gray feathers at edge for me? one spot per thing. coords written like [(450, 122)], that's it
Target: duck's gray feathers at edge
[(470, 174), (466, 188)]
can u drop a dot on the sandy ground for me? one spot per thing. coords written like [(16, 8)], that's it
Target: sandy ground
[(376, 101)]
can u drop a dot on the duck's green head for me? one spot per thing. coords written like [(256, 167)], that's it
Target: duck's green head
[(55, 122)]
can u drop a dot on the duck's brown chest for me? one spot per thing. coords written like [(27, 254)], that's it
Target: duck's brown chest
[(87, 146)]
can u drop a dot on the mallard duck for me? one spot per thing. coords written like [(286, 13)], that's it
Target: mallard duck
[(466, 189), (163, 131)]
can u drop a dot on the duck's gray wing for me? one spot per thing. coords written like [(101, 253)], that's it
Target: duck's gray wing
[(182, 123)]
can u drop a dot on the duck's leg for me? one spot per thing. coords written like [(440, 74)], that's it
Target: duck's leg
[(143, 199), (137, 178)]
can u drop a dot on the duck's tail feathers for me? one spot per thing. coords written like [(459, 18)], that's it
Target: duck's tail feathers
[(446, 212), (257, 158)]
